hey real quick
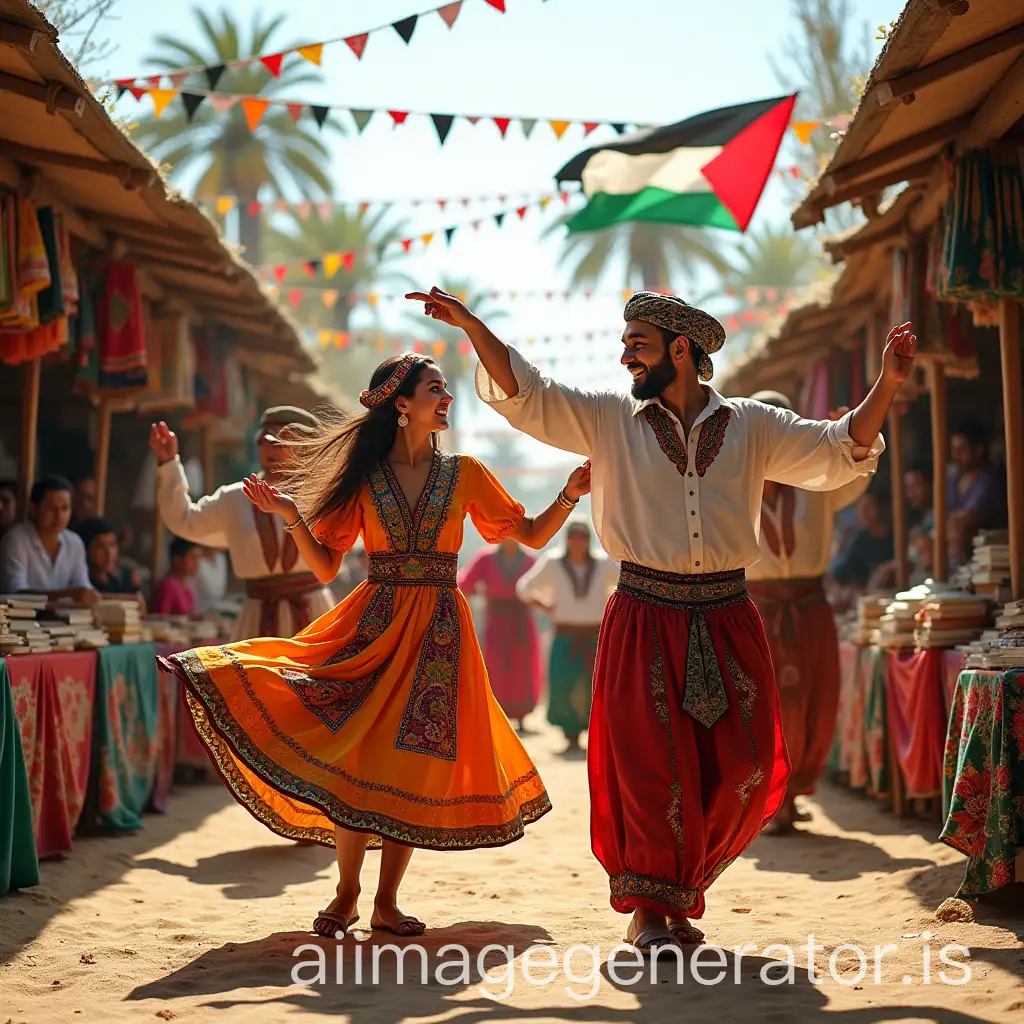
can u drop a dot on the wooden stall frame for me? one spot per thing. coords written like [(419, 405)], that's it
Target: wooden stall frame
[(29, 423), (1013, 396), (940, 447)]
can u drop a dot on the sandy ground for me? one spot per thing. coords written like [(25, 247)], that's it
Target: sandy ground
[(196, 918)]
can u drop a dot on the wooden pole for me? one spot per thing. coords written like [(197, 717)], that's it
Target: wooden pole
[(899, 518), (29, 433), (940, 447), (101, 461), (1013, 416)]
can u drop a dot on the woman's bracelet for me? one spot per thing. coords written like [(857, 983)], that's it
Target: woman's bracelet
[(564, 501), (290, 527)]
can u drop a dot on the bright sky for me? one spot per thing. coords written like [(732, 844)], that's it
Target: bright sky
[(653, 61)]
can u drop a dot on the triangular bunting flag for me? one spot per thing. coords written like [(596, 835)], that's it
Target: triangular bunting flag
[(472, 120), (179, 79), (439, 348), (499, 4), (502, 123), (255, 208), (349, 259), (619, 127), (361, 118), (324, 337), (559, 127), (372, 297), (294, 110), (272, 63), (312, 267), (332, 263), (465, 348), (224, 205), (442, 125), (406, 244), (803, 129), (499, 219), (319, 114), (442, 203), (161, 98), (522, 212), (329, 298), (627, 294), (304, 209), (363, 207), (222, 104), (448, 233), (427, 238), (313, 53), (254, 110), (589, 126), (121, 90), (544, 202), (155, 80), (406, 27), (450, 12), (398, 116), (280, 273), (138, 93), (213, 75), (282, 205), (295, 297), (191, 101), (528, 124), (357, 44), (476, 225), (326, 210), (565, 198)]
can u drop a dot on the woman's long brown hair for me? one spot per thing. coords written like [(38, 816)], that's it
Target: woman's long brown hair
[(327, 471)]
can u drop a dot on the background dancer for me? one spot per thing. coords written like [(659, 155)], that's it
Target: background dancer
[(686, 758), (511, 641), (377, 720), (572, 587), (787, 585)]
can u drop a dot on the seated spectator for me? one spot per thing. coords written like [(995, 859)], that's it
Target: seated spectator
[(211, 581), (174, 594), (866, 561), (42, 556), (83, 501), (103, 554), (917, 489), (8, 504), (976, 493)]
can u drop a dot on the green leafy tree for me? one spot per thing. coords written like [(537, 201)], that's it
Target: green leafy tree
[(229, 158), (77, 23), (774, 256)]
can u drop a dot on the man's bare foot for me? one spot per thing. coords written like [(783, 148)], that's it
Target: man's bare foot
[(387, 917), (685, 932), (334, 921)]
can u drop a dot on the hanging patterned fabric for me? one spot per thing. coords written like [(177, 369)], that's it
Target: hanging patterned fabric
[(51, 298), (122, 338)]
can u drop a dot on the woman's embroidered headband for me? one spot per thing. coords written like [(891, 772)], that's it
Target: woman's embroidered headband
[(379, 395)]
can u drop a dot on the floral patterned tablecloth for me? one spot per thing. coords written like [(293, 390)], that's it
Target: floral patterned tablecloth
[(19, 866), (860, 749), (53, 702), (168, 722), (983, 790)]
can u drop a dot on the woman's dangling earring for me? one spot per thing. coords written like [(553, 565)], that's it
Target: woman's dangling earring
[(403, 420)]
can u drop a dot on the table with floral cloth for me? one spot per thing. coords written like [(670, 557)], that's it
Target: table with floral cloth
[(53, 702), (19, 866), (168, 725), (983, 785), (917, 716), (860, 749)]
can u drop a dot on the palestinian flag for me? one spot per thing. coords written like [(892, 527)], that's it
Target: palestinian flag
[(707, 171)]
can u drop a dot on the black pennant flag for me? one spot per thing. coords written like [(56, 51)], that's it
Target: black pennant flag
[(406, 27), (499, 219), (121, 90), (319, 114), (619, 128), (448, 232), (443, 125), (213, 75), (191, 102)]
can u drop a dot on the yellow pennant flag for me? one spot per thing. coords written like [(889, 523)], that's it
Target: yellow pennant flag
[(312, 53), (427, 238), (324, 338), (544, 202), (559, 127), (329, 298), (627, 294), (463, 297), (332, 263), (254, 110), (803, 130), (225, 204), (161, 97), (440, 347), (372, 297)]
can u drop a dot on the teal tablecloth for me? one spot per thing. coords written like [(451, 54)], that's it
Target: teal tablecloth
[(19, 867), (127, 700)]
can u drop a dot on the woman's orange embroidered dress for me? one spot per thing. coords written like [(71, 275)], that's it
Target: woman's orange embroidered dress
[(378, 716)]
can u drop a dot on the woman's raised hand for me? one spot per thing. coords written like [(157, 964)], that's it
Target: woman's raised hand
[(579, 482), (444, 307), (269, 499)]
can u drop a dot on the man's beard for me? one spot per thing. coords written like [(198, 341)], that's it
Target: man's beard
[(657, 378)]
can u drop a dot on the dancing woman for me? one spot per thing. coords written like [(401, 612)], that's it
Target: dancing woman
[(377, 720)]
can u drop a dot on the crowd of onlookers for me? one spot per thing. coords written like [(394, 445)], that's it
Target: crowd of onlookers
[(975, 500)]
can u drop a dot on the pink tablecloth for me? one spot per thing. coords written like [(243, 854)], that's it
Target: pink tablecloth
[(916, 709), (186, 748), (53, 702), (167, 732)]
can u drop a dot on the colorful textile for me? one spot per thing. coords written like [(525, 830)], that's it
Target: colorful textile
[(122, 334), (166, 733), (511, 642), (51, 298), (53, 702), (126, 722), (571, 677), (983, 777), (801, 633), (19, 867), (917, 719), (378, 717), (701, 765), (861, 750)]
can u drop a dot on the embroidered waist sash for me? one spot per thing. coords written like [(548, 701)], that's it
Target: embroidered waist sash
[(270, 591), (780, 603), (424, 569), (704, 696)]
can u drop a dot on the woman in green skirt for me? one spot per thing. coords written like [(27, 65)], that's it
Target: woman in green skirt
[(571, 587)]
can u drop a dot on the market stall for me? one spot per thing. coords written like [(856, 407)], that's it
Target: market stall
[(19, 867)]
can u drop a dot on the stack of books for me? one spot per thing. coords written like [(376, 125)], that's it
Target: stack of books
[(77, 624), (10, 643), (1011, 616), (165, 629), (896, 626), (121, 620), (950, 619), (990, 565), (870, 609)]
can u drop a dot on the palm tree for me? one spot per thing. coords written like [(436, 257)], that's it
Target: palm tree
[(372, 239), (651, 253), (774, 257), (232, 160)]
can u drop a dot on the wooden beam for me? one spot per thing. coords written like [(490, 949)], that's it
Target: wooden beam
[(1003, 108), (101, 460), (940, 456), (54, 95), (899, 512), (195, 260), (917, 171), (902, 87), (130, 177), (20, 35), (29, 432), (1013, 418), (155, 231)]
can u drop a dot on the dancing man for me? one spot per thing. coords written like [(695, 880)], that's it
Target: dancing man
[(787, 587), (686, 757)]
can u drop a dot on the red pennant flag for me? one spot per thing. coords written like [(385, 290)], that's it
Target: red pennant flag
[(308, 267), (255, 207), (154, 80), (138, 93), (465, 348), (499, 4), (349, 259), (304, 208), (442, 203), (521, 211), (357, 44), (124, 83), (565, 198), (589, 126), (549, 295), (295, 297), (419, 347), (326, 210), (273, 63), (406, 244), (501, 199), (465, 202), (502, 122), (587, 294), (294, 110), (280, 273), (476, 225), (282, 205), (398, 116), (450, 12)]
